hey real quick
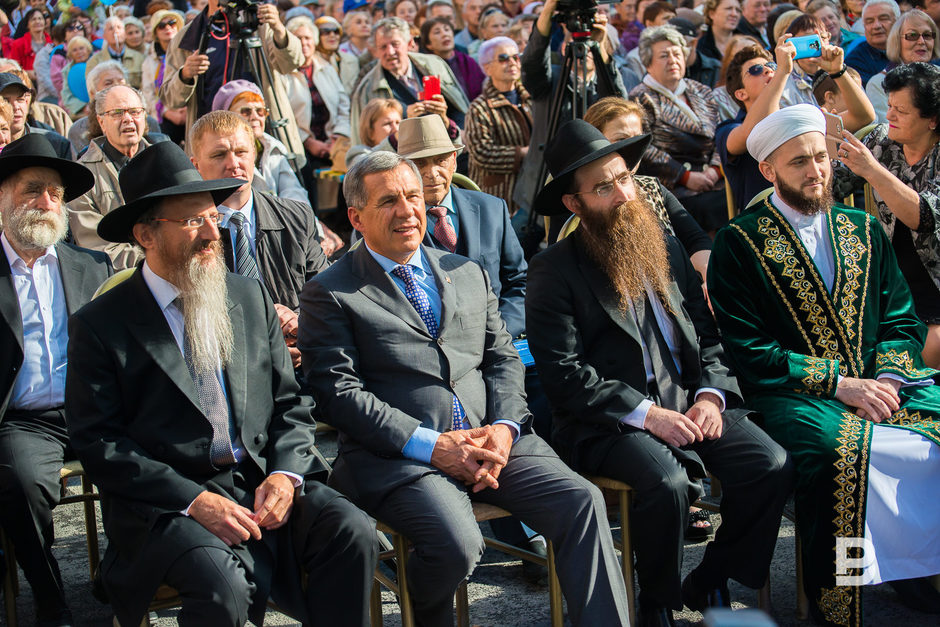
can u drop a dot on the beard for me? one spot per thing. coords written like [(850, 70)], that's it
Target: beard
[(207, 328), (795, 197), (629, 245), (35, 229)]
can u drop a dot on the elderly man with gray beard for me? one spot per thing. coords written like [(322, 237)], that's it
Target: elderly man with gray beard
[(188, 418), (42, 281)]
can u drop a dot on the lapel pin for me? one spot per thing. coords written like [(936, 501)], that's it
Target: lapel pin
[(447, 278)]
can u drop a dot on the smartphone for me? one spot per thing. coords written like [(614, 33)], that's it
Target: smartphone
[(807, 47), (432, 87), (833, 134)]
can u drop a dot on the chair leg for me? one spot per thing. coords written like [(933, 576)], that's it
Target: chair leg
[(554, 590), (763, 598), (802, 602), (626, 553), (375, 605), (404, 599), (463, 605), (91, 526)]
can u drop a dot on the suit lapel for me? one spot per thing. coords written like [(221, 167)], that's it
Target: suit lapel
[(439, 268), (9, 302), (236, 372), (151, 329), (74, 281), (379, 287), (468, 215)]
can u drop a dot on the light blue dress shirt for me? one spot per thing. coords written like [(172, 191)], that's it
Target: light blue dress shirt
[(40, 383), (420, 445), (447, 203)]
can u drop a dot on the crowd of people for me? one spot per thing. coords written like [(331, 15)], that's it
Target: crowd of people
[(235, 222)]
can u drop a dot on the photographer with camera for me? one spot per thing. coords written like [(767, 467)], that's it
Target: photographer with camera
[(206, 54), (540, 79)]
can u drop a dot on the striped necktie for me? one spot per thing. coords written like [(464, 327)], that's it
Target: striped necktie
[(443, 230), (244, 259)]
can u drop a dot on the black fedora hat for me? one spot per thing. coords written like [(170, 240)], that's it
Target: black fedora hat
[(159, 171), (576, 144), (34, 151)]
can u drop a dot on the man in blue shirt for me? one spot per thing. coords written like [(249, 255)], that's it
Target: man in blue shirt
[(868, 57)]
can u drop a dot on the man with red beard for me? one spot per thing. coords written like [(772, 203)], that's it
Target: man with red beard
[(819, 321), (630, 359), (188, 418), (42, 281)]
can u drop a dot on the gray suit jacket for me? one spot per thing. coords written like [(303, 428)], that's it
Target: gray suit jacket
[(487, 237), (379, 374)]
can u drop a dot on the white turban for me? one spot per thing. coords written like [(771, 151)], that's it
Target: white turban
[(781, 126)]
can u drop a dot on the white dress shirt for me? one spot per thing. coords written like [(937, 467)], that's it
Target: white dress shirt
[(40, 383)]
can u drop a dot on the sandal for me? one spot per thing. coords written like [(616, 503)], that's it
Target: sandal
[(697, 531)]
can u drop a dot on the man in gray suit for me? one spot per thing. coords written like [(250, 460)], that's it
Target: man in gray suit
[(404, 347)]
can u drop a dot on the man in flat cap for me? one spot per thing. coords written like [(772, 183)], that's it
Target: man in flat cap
[(42, 282), (819, 323), (631, 362), (189, 420)]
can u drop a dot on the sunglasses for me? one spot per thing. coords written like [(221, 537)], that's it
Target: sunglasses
[(76, 26), (758, 68), (506, 58), (912, 37), (166, 24), (246, 112), (329, 31)]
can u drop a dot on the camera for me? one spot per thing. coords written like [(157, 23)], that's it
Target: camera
[(242, 16), (578, 15)]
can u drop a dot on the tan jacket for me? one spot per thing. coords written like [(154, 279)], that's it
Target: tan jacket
[(85, 212), (133, 63), (175, 93)]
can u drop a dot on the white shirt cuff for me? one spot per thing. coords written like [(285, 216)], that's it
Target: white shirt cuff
[(719, 393), (637, 417), (904, 382)]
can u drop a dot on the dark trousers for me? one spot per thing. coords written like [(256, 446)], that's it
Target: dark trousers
[(328, 543), (33, 446), (756, 476)]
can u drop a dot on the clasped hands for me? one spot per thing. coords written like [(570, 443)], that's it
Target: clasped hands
[(873, 400), (474, 456), (234, 524), (701, 421)]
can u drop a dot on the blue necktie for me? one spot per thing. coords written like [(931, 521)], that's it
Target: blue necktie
[(419, 300)]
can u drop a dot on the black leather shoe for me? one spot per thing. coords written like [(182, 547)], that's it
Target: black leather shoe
[(918, 594), (654, 616), (701, 599), (536, 574)]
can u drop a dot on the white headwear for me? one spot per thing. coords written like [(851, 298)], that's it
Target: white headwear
[(781, 126)]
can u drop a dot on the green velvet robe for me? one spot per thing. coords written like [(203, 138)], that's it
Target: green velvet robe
[(789, 338)]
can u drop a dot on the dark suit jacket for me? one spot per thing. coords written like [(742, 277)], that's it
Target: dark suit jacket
[(82, 271), (588, 354), (746, 28), (379, 374), (286, 246), (137, 427), (486, 236)]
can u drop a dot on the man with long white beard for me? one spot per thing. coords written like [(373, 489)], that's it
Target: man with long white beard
[(189, 420), (630, 359), (819, 322), (42, 281)]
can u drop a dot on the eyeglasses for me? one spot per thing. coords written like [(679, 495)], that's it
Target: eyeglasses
[(166, 24), (193, 223), (758, 68), (912, 37), (506, 58), (261, 112), (604, 190), (117, 114), (329, 31)]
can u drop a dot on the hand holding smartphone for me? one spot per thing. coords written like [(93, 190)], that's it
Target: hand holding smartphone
[(807, 47)]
